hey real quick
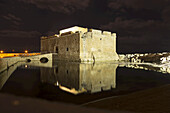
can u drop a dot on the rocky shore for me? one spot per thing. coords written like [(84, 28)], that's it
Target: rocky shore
[(147, 57), (159, 62)]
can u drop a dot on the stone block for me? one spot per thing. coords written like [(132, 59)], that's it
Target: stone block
[(114, 34), (105, 88), (95, 31), (106, 33)]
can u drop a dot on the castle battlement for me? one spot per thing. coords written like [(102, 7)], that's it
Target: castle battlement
[(80, 30), (107, 33), (77, 29), (73, 29), (94, 31)]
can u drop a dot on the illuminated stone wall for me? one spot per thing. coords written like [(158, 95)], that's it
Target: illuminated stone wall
[(68, 47), (47, 44), (91, 46), (5, 63), (96, 45), (4, 76)]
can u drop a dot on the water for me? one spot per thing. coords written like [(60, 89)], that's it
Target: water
[(76, 82)]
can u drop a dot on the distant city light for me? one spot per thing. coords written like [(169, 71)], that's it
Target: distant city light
[(1, 51), (26, 51)]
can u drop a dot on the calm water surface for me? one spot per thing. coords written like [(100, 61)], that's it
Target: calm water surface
[(76, 83)]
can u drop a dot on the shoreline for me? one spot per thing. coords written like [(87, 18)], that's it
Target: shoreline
[(163, 68), (5, 63)]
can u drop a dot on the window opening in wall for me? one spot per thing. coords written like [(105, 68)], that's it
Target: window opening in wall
[(56, 70), (56, 49), (67, 49)]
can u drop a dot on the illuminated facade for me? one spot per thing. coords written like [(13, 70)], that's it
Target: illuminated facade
[(81, 44)]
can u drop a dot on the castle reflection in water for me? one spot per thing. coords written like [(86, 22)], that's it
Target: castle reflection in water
[(72, 77), (77, 78)]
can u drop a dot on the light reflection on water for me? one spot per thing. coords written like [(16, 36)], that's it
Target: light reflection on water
[(66, 81)]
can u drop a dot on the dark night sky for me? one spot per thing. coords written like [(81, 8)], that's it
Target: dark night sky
[(141, 25)]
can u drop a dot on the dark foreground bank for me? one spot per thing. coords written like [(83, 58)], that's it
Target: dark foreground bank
[(15, 104), (155, 100)]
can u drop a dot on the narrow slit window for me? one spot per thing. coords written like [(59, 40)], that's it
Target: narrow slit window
[(56, 49), (56, 70)]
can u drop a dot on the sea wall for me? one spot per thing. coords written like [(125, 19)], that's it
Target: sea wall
[(50, 57), (157, 58), (159, 62), (5, 63)]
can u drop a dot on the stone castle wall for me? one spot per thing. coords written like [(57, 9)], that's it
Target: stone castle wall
[(47, 44), (98, 46), (68, 47), (82, 46)]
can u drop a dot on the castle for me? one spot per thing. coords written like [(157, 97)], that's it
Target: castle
[(81, 44)]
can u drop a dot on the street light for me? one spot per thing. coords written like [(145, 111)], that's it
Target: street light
[(1, 51), (26, 51)]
